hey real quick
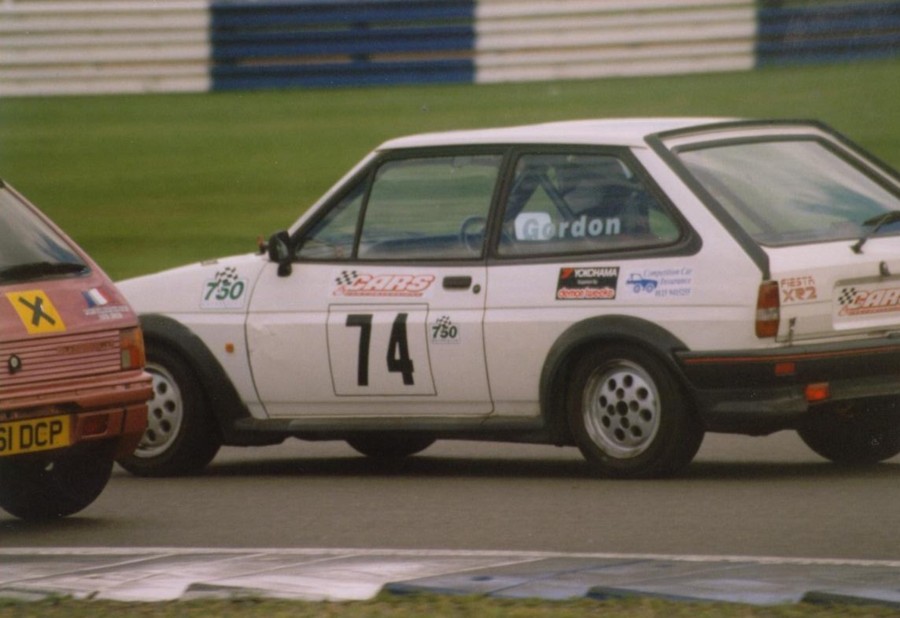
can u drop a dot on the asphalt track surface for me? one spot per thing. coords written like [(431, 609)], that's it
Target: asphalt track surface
[(766, 509)]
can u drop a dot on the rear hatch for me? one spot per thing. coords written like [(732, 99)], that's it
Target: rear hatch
[(818, 215), (829, 291)]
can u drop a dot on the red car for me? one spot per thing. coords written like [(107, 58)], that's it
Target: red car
[(73, 391)]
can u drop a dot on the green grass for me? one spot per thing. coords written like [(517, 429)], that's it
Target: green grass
[(427, 605), (154, 181)]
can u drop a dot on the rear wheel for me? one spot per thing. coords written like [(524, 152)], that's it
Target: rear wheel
[(181, 436), (628, 415), (37, 488), (861, 437), (389, 446)]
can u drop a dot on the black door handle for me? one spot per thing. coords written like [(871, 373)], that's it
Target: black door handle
[(457, 283)]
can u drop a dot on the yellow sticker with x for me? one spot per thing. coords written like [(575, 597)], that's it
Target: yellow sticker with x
[(36, 312)]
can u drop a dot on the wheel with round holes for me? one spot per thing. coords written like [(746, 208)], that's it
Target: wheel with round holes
[(181, 436), (628, 415)]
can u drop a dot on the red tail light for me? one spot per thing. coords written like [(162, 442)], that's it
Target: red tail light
[(768, 309), (131, 342)]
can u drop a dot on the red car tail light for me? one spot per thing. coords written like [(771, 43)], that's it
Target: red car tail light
[(768, 309), (131, 343)]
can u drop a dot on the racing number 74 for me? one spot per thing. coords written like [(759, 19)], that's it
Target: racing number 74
[(398, 360)]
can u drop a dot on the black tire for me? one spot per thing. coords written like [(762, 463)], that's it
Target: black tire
[(389, 445), (854, 439), (181, 436), (47, 487), (629, 416)]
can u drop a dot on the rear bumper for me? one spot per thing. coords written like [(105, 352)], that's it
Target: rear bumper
[(759, 391)]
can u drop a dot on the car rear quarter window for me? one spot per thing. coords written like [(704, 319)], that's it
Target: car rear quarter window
[(581, 203), (791, 191)]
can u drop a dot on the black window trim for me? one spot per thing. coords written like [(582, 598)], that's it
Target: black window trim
[(689, 242)]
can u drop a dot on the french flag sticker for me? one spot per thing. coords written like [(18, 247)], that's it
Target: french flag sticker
[(95, 298)]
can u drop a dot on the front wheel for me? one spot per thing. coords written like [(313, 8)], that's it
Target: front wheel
[(628, 415), (181, 437), (40, 488), (862, 437)]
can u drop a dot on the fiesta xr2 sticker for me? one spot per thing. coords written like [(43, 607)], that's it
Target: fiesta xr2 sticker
[(352, 283), (798, 289), (587, 283), (37, 313)]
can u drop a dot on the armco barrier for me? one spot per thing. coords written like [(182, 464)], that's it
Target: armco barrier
[(284, 44), (103, 46), (828, 33), (568, 39), (106, 46)]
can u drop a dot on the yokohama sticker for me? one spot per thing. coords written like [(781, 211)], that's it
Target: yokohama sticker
[(353, 283), (587, 283)]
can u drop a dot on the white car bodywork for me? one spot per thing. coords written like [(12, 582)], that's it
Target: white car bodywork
[(487, 343)]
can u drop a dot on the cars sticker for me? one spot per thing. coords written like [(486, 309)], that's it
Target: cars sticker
[(226, 290), (853, 301), (661, 283), (36, 311), (798, 289), (353, 283), (587, 283)]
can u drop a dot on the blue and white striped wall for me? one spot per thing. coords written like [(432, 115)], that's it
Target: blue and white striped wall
[(106, 46)]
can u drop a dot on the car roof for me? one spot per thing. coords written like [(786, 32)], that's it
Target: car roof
[(630, 132)]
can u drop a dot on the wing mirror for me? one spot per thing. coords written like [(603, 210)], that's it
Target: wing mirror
[(280, 252)]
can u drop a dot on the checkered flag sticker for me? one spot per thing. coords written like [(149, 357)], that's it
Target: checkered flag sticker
[(346, 277), (443, 322), (847, 297), (229, 274)]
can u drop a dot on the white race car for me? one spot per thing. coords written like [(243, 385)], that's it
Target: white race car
[(622, 286)]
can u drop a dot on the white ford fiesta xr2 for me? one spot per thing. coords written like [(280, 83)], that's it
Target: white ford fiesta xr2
[(622, 286)]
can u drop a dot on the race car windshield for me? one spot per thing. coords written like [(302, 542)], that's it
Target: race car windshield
[(30, 249), (788, 192)]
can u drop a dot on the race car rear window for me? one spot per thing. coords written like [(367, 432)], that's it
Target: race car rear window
[(30, 249), (785, 192)]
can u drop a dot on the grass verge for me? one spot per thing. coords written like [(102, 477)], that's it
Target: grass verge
[(432, 606)]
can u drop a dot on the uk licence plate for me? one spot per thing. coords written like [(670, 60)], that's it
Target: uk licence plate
[(33, 435)]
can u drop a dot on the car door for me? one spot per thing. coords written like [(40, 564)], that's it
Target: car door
[(381, 314)]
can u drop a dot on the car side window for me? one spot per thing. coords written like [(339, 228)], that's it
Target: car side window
[(581, 203), (429, 208)]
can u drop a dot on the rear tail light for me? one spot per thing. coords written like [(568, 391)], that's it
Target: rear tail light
[(131, 343), (768, 309)]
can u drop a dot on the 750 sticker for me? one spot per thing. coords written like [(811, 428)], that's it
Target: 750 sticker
[(227, 290)]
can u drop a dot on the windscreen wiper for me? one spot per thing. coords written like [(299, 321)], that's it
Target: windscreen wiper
[(876, 222), (22, 272)]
